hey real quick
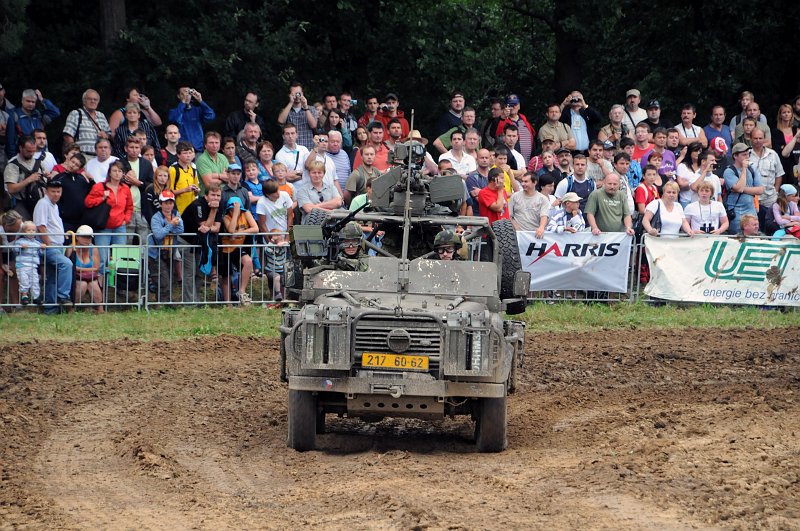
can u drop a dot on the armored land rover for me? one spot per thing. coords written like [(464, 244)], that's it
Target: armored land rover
[(410, 336)]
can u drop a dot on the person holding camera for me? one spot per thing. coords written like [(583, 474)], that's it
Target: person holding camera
[(389, 111), (582, 119), (298, 112), (616, 129), (190, 115), (743, 184)]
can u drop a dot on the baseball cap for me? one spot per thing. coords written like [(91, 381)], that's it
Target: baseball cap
[(739, 148), (512, 99), (391, 97), (166, 195), (561, 150), (608, 144), (546, 137), (572, 197), (654, 104), (234, 167), (54, 183), (633, 92), (232, 201), (718, 144), (788, 189), (84, 230)]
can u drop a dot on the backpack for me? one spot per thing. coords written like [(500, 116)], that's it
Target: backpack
[(35, 190), (192, 173), (770, 225), (571, 181)]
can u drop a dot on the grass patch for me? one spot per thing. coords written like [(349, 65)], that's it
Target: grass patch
[(182, 323)]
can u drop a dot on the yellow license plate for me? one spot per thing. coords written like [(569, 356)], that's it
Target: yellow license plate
[(394, 361)]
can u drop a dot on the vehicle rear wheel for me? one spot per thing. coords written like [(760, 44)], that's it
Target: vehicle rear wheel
[(491, 425), (511, 263), (302, 420)]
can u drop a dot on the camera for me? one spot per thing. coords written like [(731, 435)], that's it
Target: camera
[(354, 102), (575, 100), (385, 108)]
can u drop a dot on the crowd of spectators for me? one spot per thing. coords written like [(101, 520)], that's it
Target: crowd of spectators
[(178, 183)]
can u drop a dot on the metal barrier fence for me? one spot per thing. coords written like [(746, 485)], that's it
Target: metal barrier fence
[(145, 276), (140, 275)]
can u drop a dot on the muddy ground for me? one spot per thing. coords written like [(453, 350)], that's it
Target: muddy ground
[(615, 430)]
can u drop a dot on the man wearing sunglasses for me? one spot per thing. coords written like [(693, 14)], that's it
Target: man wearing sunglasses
[(446, 245), (351, 254)]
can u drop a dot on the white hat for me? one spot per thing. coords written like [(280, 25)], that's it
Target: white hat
[(84, 230)]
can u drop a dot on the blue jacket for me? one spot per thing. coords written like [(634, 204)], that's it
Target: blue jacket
[(190, 121), (161, 229), (19, 119)]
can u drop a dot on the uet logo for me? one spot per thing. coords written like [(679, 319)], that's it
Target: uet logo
[(752, 262), (572, 249)]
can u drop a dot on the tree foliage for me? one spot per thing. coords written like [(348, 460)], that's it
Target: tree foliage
[(684, 51)]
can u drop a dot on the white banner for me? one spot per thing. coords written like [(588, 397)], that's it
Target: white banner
[(576, 261), (724, 270)]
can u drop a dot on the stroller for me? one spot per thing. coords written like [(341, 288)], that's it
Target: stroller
[(124, 272)]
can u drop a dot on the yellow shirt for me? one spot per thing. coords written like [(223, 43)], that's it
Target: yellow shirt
[(183, 179), (506, 182)]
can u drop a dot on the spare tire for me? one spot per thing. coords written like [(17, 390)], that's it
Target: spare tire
[(316, 217), (510, 263)]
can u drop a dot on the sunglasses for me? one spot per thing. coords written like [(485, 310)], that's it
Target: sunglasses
[(445, 250)]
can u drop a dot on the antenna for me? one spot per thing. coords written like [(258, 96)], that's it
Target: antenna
[(403, 273)]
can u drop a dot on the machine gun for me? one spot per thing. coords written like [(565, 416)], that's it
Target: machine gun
[(331, 228)]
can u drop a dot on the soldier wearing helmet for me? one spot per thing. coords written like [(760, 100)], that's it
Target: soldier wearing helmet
[(351, 254), (446, 244)]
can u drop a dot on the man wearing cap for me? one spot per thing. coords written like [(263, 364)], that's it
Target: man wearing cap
[(716, 128), (582, 120), (560, 132), (389, 110), (753, 110), (654, 119), (526, 134), (238, 223), (304, 117), (743, 184), (462, 162), (633, 113), (442, 144), (527, 208), (58, 268), (609, 149), (768, 165), (454, 115), (564, 158), (85, 125), (167, 225), (233, 187), (568, 217)]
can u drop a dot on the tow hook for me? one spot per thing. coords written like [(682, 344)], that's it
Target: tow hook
[(395, 391)]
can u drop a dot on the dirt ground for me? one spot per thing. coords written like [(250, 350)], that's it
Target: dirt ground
[(614, 430)]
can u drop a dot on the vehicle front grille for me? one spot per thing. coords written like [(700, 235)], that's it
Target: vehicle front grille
[(426, 335)]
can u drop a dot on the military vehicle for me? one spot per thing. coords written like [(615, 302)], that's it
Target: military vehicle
[(412, 336)]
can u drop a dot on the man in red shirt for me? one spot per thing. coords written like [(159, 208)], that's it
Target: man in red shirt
[(375, 131), (493, 199)]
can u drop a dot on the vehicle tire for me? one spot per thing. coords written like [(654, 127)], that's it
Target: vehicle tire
[(316, 217), (491, 425), (511, 263), (302, 420)]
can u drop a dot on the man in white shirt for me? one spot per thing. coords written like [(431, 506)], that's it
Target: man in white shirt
[(769, 166), (633, 113), (527, 208), (292, 154), (97, 168), (462, 162), (58, 268), (274, 210)]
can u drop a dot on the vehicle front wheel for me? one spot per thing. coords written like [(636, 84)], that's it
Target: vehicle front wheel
[(302, 420), (491, 425)]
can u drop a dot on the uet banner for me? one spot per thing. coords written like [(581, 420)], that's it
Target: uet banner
[(576, 261), (724, 270)]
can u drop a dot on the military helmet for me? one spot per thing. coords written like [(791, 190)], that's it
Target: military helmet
[(350, 231), (447, 237)]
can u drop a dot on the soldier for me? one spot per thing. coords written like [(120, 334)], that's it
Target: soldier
[(446, 244), (351, 254)]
